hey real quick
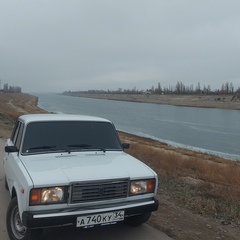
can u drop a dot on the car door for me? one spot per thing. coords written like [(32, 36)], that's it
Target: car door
[(11, 160)]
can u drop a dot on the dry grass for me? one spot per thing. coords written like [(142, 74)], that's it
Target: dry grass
[(12, 105), (204, 183)]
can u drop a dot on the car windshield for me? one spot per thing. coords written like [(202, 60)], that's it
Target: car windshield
[(42, 137)]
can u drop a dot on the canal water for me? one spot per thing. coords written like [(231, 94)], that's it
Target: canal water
[(214, 131)]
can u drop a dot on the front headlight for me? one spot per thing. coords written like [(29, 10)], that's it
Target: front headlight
[(142, 186), (47, 195)]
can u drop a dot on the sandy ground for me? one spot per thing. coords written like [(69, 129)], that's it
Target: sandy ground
[(172, 218), (206, 101)]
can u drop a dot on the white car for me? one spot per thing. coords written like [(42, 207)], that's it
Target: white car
[(72, 170)]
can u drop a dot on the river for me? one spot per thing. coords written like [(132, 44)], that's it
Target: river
[(214, 131)]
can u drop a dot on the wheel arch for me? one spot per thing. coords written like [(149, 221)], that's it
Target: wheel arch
[(13, 193)]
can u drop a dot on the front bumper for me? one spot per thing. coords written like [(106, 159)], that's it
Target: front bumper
[(41, 219)]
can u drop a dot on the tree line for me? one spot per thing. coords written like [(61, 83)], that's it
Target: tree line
[(179, 88)]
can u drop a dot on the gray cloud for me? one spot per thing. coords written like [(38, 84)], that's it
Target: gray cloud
[(90, 44)]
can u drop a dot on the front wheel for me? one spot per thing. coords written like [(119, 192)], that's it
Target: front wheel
[(15, 228), (138, 219)]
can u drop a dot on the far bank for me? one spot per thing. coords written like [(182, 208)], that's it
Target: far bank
[(196, 100)]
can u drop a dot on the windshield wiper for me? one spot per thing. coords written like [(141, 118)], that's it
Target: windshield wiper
[(79, 145), (97, 148), (85, 146), (42, 147)]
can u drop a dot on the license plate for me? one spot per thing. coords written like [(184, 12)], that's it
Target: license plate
[(103, 218)]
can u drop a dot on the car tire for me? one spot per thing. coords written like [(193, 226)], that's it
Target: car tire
[(15, 229), (138, 219), (6, 184)]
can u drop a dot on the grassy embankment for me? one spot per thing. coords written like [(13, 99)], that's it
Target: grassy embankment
[(13, 105), (204, 183)]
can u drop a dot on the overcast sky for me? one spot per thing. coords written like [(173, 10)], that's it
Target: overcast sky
[(58, 45)]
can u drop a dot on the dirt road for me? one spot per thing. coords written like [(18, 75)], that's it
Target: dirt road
[(117, 232)]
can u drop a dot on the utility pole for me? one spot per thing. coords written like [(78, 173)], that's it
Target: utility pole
[(0, 84)]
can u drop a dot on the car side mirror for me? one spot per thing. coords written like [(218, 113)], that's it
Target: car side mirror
[(10, 149), (125, 145)]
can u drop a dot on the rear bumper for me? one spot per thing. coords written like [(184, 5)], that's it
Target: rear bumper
[(68, 216)]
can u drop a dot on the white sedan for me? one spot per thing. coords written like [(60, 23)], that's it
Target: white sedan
[(72, 170)]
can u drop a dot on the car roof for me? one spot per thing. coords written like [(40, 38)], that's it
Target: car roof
[(59, 117)]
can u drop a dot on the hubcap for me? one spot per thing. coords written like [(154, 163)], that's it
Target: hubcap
[(18, 229)]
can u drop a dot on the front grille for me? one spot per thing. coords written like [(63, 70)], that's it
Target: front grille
[(99, 190)]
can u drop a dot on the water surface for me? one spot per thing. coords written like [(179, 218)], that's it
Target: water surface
[(215, 131)]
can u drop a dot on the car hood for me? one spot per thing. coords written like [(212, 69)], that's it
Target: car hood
[(60, 169)]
